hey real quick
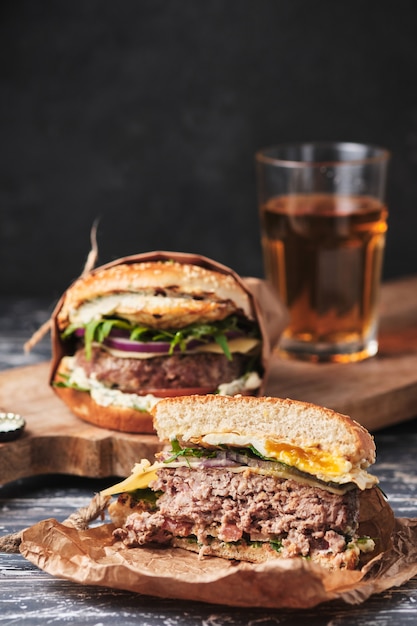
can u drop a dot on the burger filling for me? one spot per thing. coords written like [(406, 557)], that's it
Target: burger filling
[(177, 371), (278, 514), (255, 506), (112, 358)]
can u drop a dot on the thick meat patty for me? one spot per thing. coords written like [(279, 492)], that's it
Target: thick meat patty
[(233, 506), (165, 372)]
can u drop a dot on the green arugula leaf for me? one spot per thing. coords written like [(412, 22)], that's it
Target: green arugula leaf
[(140, 333), (178, 451), (98, 330), (276, 545), (221, 340), (107, 325), (64, 383), (70, 329), (89, 335)]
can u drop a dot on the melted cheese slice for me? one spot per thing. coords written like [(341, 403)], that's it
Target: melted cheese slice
[(142, 474), (239, 344)]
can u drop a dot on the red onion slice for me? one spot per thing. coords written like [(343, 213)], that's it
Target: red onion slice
[(157, 347), (118, 339)]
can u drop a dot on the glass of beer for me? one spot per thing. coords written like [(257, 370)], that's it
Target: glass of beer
[(323, 224)]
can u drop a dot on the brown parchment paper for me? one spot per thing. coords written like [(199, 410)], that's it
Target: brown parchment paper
[(93, 557)]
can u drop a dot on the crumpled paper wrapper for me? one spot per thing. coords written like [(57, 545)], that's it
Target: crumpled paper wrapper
[(267, 308), (93, 557)]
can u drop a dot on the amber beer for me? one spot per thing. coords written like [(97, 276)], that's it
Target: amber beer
[(324, 252)]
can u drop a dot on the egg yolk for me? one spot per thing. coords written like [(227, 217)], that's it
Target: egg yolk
[(310, 460)]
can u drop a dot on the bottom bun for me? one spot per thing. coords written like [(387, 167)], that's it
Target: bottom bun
[(111, 417), (261, 552)]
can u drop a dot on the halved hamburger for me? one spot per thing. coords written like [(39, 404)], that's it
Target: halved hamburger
[(151, 326), (250, 479)]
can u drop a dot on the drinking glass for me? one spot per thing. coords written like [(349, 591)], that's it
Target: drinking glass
[(323, 223)]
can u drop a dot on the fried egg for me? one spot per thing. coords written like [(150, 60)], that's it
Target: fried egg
[(326, 466)]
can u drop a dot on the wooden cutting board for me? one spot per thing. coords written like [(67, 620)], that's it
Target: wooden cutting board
[(56, 441), (378, 392)]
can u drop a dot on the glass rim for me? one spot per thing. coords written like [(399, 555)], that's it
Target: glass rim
[(380, 154)]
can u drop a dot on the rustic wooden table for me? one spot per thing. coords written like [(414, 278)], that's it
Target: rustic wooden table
[(30, 596)]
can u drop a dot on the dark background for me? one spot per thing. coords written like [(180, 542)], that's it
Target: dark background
[(146, 114)]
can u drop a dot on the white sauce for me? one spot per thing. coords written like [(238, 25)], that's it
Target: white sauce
[(110, 397), (104, 396), (249, 382)]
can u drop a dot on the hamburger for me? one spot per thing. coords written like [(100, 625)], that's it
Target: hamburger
[(151, 326), (250, 479)]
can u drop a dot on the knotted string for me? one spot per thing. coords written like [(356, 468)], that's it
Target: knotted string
[(80, 520)]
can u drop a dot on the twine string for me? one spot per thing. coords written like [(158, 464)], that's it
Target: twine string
[(80, 520)]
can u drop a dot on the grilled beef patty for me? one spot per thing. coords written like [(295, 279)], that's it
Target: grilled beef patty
[(231, 506), (166, 372)]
